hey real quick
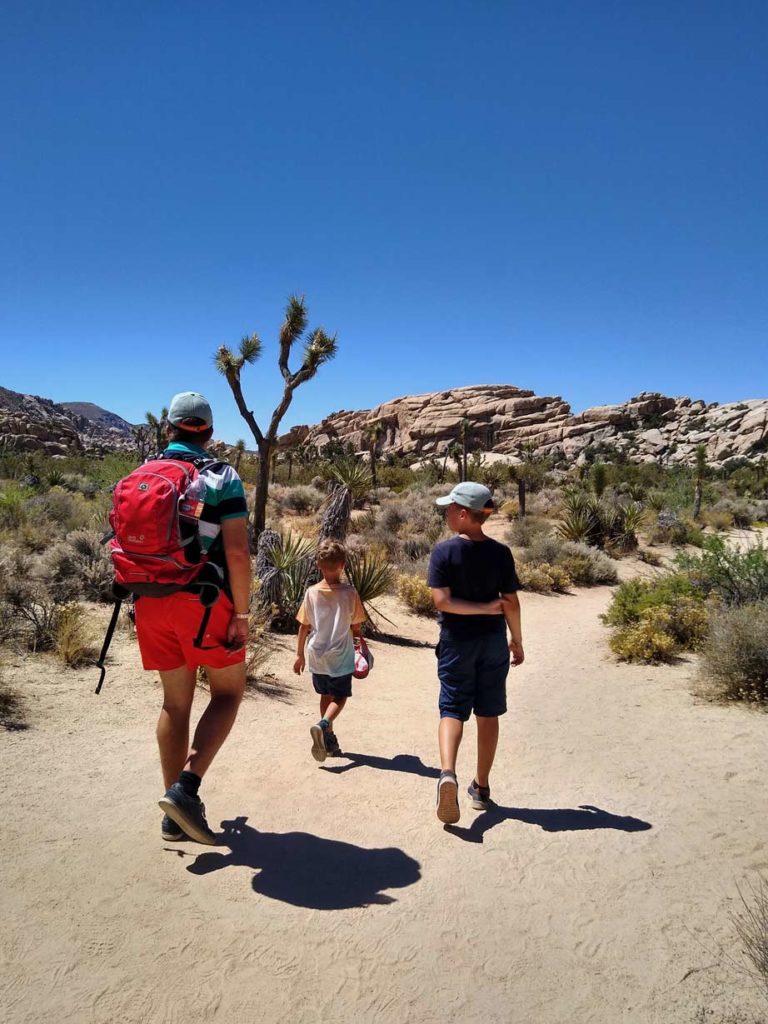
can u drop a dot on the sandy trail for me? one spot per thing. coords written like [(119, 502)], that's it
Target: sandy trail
[(598, 892)]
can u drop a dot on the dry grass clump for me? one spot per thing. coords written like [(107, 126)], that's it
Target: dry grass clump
[(750, 922), (671, 528), (73, 639), (416, 595), (299, 500), (735, 657), (649, 557), (522, 532)]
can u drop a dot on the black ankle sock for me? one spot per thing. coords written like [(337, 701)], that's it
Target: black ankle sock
[(190, 783)]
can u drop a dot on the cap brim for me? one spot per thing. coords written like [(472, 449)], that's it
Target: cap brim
[(444, 501)]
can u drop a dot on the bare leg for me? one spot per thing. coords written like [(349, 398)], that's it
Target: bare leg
[(449, 736), (331, 707), (173, 724), (487, 740), (227, 688)]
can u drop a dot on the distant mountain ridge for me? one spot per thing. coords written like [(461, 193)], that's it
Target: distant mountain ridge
[(29, 423)]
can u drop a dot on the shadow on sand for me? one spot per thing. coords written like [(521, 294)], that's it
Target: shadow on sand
[(399, 763), (565, 819), (308, 871)]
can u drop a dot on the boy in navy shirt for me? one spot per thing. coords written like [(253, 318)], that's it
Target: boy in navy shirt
[(474, 587)]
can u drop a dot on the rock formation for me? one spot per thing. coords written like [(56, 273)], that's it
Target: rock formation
[(32, 424), (508, 420)]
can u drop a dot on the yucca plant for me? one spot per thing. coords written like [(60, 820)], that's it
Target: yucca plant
[(350, 482), (284, 567), (371, 575)]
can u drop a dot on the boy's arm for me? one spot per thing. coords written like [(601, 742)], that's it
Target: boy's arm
[(456, 606), (510, 605), (298, 665)]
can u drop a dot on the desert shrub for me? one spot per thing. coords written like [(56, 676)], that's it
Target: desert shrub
[(73, 640), (510, 509), (647, 640), (31, 614), (300, 500), (717, 521), (391, 518), (750, 922), (364, 523), (12, 707), (13, 499), (587, 566), (735, 576), (522, 532), (633, 597), (33, 538), (649, 557), (536, 578), (670, 528), (416, 595), (415, 547), (545, 547), (79, 567), (735, 657), (57, 507), (741, 512)]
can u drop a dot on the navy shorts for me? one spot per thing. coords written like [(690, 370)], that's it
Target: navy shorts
[(473, 676), (332, 686)]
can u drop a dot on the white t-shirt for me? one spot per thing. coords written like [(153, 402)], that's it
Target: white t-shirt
[(330, 609)]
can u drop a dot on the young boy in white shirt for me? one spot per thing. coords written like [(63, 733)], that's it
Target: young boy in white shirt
[(331, 616)]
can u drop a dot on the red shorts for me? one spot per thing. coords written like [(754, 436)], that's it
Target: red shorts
[(166, 627)]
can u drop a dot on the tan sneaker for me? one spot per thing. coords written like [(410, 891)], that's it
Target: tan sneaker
[(448, 810)]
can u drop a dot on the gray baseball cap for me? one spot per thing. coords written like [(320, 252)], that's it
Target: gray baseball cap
[(187, 409), (469, 495)]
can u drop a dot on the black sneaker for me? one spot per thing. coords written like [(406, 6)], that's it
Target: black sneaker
[(189, 814), (318, 733), (170, 830), (332, 747)]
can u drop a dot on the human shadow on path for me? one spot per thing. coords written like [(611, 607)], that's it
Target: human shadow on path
[(399, 763), (308, 871), (564, 819)]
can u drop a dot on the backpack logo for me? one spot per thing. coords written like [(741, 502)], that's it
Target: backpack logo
[(143, 487)]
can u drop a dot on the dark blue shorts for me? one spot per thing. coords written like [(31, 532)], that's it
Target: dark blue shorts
[(332, 686), (473, 676)]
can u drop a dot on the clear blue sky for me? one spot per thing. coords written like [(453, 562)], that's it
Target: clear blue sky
[(567, 196)]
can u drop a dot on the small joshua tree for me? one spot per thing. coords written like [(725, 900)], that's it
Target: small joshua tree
[(319, 347), (372, 434)]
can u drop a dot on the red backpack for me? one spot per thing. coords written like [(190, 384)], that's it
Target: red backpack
[(154, 541)]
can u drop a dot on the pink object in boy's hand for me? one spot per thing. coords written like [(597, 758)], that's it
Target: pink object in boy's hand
[(363, 659)]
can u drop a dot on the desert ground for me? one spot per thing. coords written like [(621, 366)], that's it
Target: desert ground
[(599, 890)]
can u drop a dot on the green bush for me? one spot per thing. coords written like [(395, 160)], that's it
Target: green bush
[(733, 575), (543, 578), (522, 532), (735, 657), (633, 597), (587, 566)]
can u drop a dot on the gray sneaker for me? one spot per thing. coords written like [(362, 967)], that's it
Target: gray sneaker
[(189, 814), (448, 810), (319, 751), (480, 796), (170, 831)]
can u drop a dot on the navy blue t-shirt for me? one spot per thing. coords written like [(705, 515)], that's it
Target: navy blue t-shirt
[(475, 570)]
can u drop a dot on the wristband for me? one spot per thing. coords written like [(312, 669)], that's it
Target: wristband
[(241, 615)]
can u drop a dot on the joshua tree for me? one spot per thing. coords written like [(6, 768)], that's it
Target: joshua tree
[(454, 452), (372, 434), (157, 426), (599, 478), (701, 469), (141, 435), (465, 433), (239, 451), (319, 347)]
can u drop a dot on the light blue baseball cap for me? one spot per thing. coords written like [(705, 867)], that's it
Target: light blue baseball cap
[(469, 495)]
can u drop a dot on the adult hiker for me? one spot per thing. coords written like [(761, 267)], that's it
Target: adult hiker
[(171, 636)]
